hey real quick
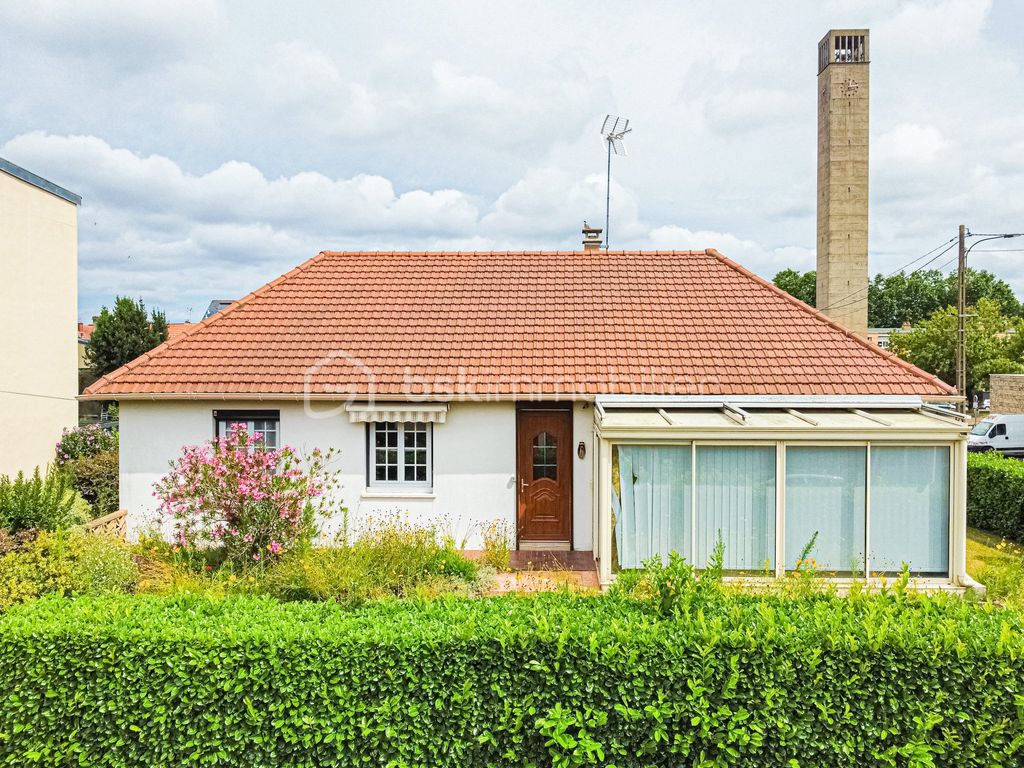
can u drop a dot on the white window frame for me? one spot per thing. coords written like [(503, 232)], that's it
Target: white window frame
[(401, 484)]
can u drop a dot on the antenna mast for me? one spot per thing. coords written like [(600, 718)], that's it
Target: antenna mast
[(614, 130)]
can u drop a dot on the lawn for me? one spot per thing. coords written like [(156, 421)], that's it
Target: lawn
[(998, 564)]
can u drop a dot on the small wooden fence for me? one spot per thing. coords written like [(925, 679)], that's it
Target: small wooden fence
[(114, 524)]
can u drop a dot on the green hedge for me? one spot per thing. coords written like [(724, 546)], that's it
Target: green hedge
[(552, 680), (995, 494)]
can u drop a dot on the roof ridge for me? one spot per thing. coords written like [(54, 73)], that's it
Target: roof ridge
[(522, 252), (817, 313), (159, 350)]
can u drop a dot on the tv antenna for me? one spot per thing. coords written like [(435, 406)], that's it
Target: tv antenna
[(614, 130)]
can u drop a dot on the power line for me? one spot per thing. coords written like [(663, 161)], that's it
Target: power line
[(843, 302), (33, 394), (862, 290)]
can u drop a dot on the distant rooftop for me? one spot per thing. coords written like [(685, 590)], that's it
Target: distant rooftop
[(38, 181), (216, 306)]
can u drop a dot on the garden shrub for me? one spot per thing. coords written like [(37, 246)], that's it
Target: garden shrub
[(390, 557), (549, 680), (96, 478), (66, 563), (995, 494), (82, 442), (45, 502), (252, 503)]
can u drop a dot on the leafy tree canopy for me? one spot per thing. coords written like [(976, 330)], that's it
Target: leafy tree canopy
[(800, 285), (992, 344), (122, 334), (910, 298)]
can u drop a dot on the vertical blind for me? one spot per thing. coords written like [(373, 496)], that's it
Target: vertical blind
[(825, 493), (732, 492), (736, 500), (910, 509), (653, 515)]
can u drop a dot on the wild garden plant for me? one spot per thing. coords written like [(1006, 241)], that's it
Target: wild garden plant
[(44, 502), (497, 540)]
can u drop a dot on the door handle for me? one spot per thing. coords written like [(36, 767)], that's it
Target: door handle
[(522, 485)]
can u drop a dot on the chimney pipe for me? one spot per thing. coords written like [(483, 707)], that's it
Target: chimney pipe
[(591, 237)]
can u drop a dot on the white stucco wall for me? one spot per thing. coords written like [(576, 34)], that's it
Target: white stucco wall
[(474, 463), (38, 311)]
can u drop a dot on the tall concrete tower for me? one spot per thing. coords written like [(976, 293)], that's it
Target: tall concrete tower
[(843, 64)]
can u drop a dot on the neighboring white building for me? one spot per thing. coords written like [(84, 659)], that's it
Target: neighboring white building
[(461, 388), (38, 311)]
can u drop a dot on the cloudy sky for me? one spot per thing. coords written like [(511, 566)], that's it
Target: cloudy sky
[(218, 144)]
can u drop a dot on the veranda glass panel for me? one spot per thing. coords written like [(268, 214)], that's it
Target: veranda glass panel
[(736, 500), (825, 492), (652, 503), (910, 509)]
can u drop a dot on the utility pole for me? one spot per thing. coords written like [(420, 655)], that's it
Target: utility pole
[(961, 305), (961, 323)]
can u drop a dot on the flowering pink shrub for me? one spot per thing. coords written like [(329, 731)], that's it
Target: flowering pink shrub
[(234, 494), (83, 442)]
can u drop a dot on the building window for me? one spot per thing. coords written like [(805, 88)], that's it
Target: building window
[(652, 502), (736, 503), (909, 509), (400, 454), (267, 424), (733, 495), (825, 501), (856, 509)]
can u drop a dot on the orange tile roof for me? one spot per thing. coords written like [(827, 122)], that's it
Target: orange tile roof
[(579, 322), (174, 330)]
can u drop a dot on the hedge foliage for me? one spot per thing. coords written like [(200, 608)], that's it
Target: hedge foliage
[(995, 494), (551, 680)]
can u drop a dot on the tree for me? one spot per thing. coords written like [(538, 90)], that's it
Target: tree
[(897, 299), (982, 284), (803, 286), (910, 298), (931, 345), (123, 334)]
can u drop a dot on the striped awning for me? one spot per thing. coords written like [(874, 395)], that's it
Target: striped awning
[(417, 413)]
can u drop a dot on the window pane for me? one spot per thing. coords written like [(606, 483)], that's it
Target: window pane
[(545, 457), (652, 503), (910, 509), (825, 493), (736, 499), (268, 428), (401, 452)]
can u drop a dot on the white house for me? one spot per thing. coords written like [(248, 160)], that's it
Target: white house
[(622, 403)]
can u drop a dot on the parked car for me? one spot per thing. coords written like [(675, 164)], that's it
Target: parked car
[(999, 433)]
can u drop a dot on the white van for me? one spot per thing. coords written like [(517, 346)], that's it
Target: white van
[(999, 433)]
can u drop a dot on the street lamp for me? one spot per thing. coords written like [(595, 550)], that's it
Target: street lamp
[(961, 306)]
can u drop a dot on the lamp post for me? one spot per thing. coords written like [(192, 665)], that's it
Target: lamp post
[(961, 305)]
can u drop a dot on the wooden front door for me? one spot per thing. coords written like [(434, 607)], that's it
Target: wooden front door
[(544, 469)]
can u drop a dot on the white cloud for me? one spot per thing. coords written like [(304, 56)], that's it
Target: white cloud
[(222, 142), (910, 143)]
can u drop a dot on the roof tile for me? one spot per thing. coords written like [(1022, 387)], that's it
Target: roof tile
[(582, 322)]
